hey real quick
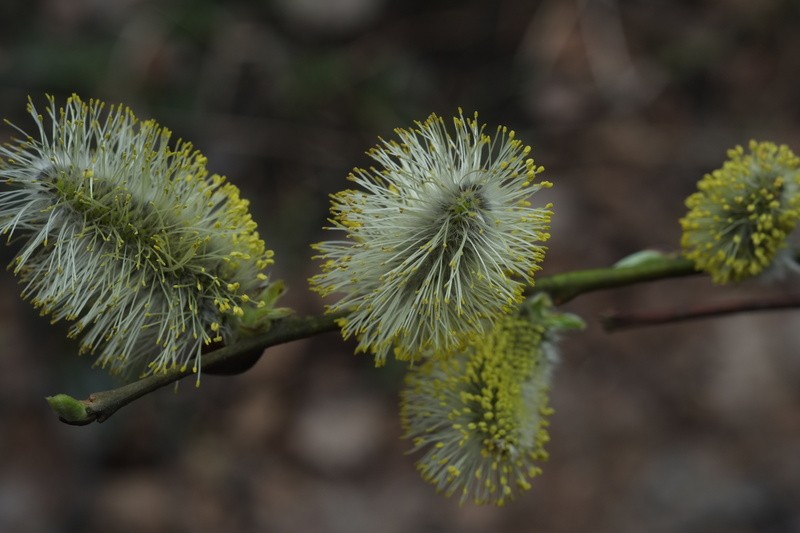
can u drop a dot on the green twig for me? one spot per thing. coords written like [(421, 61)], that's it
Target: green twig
[(561, 288), (101, 405), (564, 287)]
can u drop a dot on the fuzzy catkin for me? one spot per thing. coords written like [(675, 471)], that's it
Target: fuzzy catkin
[(438, 242), (742, 213), (125, 233), (480, 417)]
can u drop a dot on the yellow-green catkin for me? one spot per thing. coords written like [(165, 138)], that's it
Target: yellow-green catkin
[(481, 415), (742, 213), (125, 233)]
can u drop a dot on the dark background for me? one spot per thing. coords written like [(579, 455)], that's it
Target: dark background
[(689, 428)]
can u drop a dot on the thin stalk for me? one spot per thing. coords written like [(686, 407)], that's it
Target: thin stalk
[(99, 406)]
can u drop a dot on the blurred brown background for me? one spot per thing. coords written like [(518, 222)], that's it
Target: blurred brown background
[(686, 428)]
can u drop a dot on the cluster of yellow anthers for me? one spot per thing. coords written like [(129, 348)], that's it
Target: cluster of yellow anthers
[(439, 241), (742, 213), (129, 237), (481, 415)]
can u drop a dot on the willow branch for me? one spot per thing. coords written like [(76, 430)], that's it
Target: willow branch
[(565, 287), (618, 321), (99, 406)]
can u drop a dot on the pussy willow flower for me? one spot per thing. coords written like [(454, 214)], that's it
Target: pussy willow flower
[(481, 415), (742, 213), (128, 236), (440, 239)]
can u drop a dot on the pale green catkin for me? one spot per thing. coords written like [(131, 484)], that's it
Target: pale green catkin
[(438, 242), (126, 234)]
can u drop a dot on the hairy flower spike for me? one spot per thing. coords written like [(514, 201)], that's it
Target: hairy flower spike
[(481, 415), (739, 218), (128, 236), (440, 240)]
